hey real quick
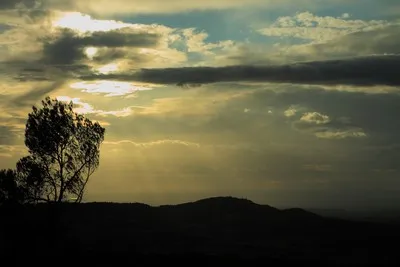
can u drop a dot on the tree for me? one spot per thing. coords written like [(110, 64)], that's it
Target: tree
[(31, 179), (9, 190), (64, 152), (23, 185)]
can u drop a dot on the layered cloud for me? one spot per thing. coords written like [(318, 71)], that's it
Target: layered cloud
[(368, 71), (136, 6), (306, 36)]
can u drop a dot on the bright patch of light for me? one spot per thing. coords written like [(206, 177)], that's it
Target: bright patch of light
[(90, 52), (315, 117), (290, 112), (85, 23), (67, 99), (109, 88), (117, 113), (85, 108), (79, 106), (108, 68)]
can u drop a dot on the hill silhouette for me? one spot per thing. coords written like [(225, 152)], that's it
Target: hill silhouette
[(219, 229)]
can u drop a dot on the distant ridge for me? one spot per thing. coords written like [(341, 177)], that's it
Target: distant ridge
[(223, 201), (217, 203), (220, 209), (227, 227)]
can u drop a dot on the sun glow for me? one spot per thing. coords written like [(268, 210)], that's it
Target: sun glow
[(91, 52), (109, 88), (85, 23)]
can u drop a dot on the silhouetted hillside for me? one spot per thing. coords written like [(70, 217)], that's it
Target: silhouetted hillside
[(215, 229)]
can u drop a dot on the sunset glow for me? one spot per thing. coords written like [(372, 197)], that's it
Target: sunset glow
[(288, 102), (85, 23), (108, 88)]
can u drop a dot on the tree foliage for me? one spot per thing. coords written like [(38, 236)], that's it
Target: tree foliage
[(9, 190), (64, 152)]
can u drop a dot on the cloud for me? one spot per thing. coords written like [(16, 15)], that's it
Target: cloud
[(104, 7), (68, 47), (292, 111), (365, 38), (84, 23), (385, 40), (33, 95), (11, 150), (18, 4), (21, 12), (7, 135), (361, 71), (308, 26), (381, 41), (86, 108), (314, 118), (210, 114), (153, 143), (322, 126), (109, 88), (340, 134), (338, 114), (196, 42), (58, 50)]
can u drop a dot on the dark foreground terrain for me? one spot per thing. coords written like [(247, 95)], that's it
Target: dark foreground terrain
[(211, 231)]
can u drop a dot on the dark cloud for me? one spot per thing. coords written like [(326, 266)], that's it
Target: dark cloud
[(105, 55), (16, 4), (63, 50), (30, 11), (68, 47), (362, 71), (38, 71), (120, 38)]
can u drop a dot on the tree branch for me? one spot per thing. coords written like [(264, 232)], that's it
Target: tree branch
[(76, 172), (52, 181), (80, 195)]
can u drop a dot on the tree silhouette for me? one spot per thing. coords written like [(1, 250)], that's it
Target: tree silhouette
[(64, 152), (31, 177), (9, 190)]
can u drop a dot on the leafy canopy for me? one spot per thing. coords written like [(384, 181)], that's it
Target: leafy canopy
[(64, 152)]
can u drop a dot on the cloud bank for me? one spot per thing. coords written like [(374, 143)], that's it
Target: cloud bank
[(362, 71)]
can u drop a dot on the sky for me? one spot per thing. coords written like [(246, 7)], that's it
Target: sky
[(286, 103)]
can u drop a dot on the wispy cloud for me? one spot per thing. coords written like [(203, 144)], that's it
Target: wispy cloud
[(152, 143), (314, 28), (85, 108), (9, 151)]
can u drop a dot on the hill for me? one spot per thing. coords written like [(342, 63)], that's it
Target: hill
[(214, 229)]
